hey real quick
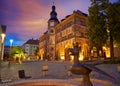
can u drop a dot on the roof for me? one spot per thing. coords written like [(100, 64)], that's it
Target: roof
[(53, 14), (81, 13), (32, 41), (78, 12)]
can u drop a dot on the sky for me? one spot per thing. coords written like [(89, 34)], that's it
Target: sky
[(27, 19)]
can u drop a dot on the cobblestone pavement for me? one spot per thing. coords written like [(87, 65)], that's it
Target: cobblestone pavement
[(57, 70)]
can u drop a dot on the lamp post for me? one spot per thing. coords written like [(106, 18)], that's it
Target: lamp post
[(2, 52), (11, 42), (2, 45)]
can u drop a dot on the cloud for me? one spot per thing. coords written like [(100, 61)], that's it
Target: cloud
[(28, 29), (34, 28), (27, 19)]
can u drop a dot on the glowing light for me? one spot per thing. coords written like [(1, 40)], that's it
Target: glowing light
[(41, 53), (11, 41), (100, 53), (107, 51), (62, 57), (3, 37), (71, 57), (81, 57), (92, 53), (104, 48)]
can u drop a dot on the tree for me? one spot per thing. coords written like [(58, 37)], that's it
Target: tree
[(96, 32), (104, 24), (36, 51), (113, 17), (17, 53)]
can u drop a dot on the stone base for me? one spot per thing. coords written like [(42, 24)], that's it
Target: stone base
[(86, 84), (86, 81)]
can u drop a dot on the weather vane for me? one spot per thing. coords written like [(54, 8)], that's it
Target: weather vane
[(53, 2)]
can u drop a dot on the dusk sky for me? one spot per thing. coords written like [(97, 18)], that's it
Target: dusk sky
[(26, 19)]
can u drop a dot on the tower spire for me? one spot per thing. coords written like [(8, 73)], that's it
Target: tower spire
[(53, 13)]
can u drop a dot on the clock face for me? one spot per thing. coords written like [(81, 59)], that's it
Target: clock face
[(51, 23)]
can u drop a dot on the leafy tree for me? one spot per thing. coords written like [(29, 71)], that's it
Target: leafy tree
[(96, 32), (17, 52), (113, 16), (104, 15)]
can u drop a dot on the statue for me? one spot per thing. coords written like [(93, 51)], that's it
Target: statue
[(83, 68)]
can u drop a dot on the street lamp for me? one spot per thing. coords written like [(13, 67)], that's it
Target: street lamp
[(2, 45), (11, 42)]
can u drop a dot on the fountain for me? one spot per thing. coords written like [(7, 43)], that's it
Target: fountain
[(83, 68)]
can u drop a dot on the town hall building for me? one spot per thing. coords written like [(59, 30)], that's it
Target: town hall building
[(60, 35)]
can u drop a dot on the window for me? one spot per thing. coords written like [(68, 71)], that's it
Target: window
[(82, 35), (51, 31)]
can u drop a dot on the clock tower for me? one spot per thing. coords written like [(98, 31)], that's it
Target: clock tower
[(53, 18), (52, 22)]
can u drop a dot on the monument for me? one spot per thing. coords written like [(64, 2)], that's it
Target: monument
[(83, 68)]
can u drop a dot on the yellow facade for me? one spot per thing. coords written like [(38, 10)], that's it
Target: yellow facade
[(42, 46), (69, 30)]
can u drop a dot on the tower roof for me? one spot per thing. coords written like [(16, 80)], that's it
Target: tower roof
[(53, 14)]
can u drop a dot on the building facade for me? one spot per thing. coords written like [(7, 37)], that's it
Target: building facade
[(30, 46), (61, 35), (70, 30), (43, 46), (7, 50)]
